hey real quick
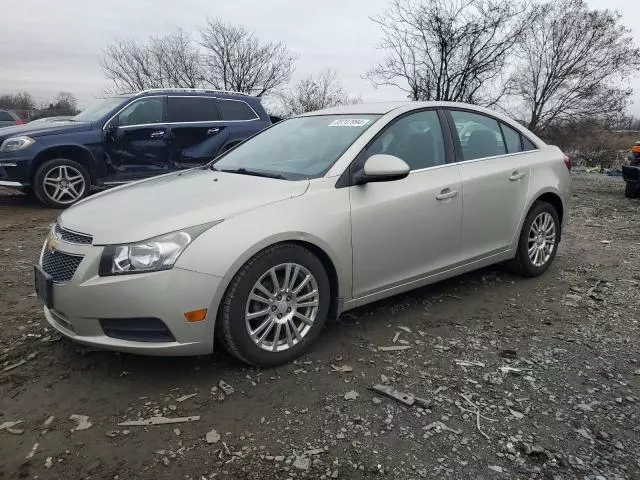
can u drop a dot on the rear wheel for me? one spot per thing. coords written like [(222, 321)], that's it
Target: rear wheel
[(61, 182), (539, 240), (275, 306), (632, 190)]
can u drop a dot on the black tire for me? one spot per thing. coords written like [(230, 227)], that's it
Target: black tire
[(236, 338), (522, 264), (632, 190), (40, 175)]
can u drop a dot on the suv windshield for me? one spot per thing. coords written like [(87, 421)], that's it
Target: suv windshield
[(99, 109), (303, 147)]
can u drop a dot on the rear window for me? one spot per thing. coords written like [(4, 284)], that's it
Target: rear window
[(192, 109), (236, 110), (6, 117)]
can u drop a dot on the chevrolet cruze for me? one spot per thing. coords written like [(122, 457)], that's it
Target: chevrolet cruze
[(314, 216)]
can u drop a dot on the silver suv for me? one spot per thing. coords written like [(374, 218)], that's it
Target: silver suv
[(314, 216)]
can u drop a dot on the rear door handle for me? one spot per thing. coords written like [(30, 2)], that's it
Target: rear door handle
[(213, 131), (157, 134), (515, 176), (446, 194)]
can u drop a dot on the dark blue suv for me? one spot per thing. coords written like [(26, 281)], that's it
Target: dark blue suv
[(125, 138)]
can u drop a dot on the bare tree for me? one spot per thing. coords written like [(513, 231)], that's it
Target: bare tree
[(237, 60), (454, 50), (172, 60), (315, 93), (18, 102), (576, 64)]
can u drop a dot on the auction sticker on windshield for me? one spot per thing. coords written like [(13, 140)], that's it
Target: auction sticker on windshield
[(350, 122)]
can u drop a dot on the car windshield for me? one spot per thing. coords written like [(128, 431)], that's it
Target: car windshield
[(99, 109), (303, 147)]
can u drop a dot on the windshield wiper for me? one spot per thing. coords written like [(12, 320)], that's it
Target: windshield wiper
[(255, 173)]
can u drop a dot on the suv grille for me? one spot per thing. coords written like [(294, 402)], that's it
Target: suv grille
[(72, 237), (61, 266)]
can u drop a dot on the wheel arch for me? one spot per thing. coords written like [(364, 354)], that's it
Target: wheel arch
[(77, 153), (315, 246)]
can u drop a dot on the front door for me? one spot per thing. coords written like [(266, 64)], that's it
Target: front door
[(136, 140), (405, 229), (495, 180)]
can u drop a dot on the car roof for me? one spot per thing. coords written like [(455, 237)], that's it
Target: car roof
[(382, 108)]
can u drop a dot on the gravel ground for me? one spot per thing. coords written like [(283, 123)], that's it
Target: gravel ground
[(517, 378)]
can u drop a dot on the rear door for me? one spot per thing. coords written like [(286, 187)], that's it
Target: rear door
[(197, 132), (495, 174), (136, 140)]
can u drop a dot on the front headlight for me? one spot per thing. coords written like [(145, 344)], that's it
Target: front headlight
[(155, 254), (16, 143)]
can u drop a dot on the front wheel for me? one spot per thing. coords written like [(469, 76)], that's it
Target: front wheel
[(61, 182), (275, 306), (539, 240)]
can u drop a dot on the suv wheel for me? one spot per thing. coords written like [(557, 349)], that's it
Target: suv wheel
[(275, 306), (61, 182), (539, 240)]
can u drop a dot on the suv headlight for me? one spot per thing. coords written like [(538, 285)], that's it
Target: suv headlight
[(155, 254), (16, 143)]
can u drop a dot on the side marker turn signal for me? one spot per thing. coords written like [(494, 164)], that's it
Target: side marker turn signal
[(196, 315)]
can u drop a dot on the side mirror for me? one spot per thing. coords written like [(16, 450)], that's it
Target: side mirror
[(382, 168)]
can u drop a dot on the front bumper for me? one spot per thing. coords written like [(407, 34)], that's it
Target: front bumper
[(14, 171), (81, 304)]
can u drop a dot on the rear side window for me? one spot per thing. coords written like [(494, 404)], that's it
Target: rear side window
[(192, 109), (480, 136), (6, 117), (511, 138), (527, 145), (236, 110)]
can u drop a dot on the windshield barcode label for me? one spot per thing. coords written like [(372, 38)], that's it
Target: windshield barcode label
[(349, 122)]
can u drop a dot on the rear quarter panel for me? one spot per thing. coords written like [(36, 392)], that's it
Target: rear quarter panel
[(549, 174)]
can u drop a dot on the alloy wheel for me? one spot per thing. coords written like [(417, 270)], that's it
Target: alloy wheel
[(542, 239), (282, 307), (64, 184)]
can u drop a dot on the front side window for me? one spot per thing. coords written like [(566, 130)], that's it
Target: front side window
[(236, 110), (415, 138), (145, 111), (192, 109), (480, 136), (302, 147), (6, 117)]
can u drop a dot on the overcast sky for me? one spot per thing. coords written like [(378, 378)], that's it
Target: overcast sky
[(51, 45)]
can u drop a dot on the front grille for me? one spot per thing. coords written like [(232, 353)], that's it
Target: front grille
[(61, 266), (72, 237)]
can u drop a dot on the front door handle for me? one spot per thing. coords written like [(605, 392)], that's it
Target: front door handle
[(446, 194), (213, 131), (515, 176), (157, 134)]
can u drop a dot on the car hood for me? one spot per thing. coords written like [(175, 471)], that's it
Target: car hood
[(53, 128), (168, 203)]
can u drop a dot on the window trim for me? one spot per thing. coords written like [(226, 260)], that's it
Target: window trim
[(346, 178), (458, 146), (181, 123)]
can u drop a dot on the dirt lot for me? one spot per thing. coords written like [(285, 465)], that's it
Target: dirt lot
[(568, 408)]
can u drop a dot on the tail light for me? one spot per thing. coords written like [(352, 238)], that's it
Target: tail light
[(635, 149), (19, 122), (567, 162)]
